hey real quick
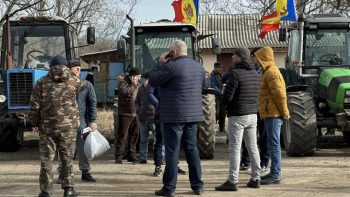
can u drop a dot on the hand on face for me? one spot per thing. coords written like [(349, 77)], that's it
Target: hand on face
[(135, 79)]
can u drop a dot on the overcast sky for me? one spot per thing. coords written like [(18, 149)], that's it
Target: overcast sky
[(153, 10)]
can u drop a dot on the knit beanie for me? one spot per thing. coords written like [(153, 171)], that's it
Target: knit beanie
[(243, 53), (58, 60), (134, 71)]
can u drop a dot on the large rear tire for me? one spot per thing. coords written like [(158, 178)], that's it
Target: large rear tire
[(206, 129), (12, 138), (300, 131)]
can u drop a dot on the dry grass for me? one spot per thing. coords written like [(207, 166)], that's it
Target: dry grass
[(105, 122)]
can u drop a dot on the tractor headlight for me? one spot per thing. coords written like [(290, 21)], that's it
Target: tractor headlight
[(347, 92), (346, 100)]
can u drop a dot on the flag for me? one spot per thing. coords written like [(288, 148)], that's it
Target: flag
[(286, 9), (186, 11), (269, 23)]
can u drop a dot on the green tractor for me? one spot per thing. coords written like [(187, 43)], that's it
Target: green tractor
[(318, 81)]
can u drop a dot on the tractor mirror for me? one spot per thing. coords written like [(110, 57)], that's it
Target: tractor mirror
[(282, 35), (90, 35), (216, 46), (121, 47)]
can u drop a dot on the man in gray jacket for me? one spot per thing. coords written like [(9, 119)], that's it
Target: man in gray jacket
[(88, 112)]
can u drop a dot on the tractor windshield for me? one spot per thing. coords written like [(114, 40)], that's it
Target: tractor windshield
[(34, 46), (149, 46), (327, 47)]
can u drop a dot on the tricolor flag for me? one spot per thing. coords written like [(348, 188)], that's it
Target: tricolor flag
[(186, 11), (269, 23), (286, 9)]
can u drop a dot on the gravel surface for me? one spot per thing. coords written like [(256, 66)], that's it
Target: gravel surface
[(324, 174)]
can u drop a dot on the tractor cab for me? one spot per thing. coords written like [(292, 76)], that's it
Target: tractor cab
[(28, 45)]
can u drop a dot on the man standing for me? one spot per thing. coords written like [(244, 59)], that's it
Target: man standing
[(181, 81), (88, 114), (54, 112), (272, 109), (128, 132), (262, 140), (241, 97), (216, 83), (145, 111)]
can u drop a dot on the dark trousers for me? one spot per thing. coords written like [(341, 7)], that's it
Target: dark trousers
[(126, 137), (262, 142), (174, 134), (157, 153), (220, 113)]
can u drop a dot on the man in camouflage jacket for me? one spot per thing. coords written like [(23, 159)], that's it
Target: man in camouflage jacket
[(54, 112)]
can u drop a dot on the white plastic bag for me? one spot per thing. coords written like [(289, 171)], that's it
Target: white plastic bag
[(95, 144)]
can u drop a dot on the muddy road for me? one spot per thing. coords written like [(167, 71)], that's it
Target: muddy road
[(327, 173)]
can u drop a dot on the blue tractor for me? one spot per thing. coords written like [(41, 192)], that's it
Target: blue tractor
[(28, 45)]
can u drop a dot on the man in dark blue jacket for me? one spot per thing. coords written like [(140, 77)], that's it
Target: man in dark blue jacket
[(87, 104), (181, 81)]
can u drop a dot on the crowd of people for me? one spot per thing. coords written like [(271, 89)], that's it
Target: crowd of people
[(168, 104)]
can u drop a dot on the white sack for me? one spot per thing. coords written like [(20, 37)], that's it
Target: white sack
[(95, 145)]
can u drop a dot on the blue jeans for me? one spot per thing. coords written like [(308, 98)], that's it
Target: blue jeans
[(273, 132), (174, 133), (145, 127)]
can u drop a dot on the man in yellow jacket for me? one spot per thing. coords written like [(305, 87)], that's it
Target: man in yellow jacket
[(272, 109)]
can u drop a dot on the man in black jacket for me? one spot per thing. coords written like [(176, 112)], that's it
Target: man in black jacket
[(241, 97)]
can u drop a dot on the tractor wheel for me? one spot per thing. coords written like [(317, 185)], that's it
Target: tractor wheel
[(300, 131), (346, 137), (12, 139), (206, 129)]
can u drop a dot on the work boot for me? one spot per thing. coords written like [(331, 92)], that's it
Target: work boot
[(44, 194), (70, 192), (86, 176)]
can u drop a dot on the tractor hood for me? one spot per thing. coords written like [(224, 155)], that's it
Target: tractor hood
[(335, 87)]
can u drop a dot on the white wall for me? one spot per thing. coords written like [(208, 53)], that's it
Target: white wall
[(209, 60)]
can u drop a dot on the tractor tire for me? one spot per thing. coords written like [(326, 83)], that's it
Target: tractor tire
[(346, 137), (12, 140), (206, 128), (300, 131)]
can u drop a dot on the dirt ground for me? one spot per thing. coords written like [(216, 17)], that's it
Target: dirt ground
[(325, 174)]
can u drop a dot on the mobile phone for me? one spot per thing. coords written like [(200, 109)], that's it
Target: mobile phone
[(170, 54)]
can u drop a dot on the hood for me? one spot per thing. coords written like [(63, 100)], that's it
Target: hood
[(60, 73), (244, 65), (265, 57)]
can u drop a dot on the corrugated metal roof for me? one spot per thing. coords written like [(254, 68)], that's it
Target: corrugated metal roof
[(236, 30)]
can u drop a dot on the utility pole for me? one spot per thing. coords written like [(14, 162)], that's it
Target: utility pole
[(41, 8)]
